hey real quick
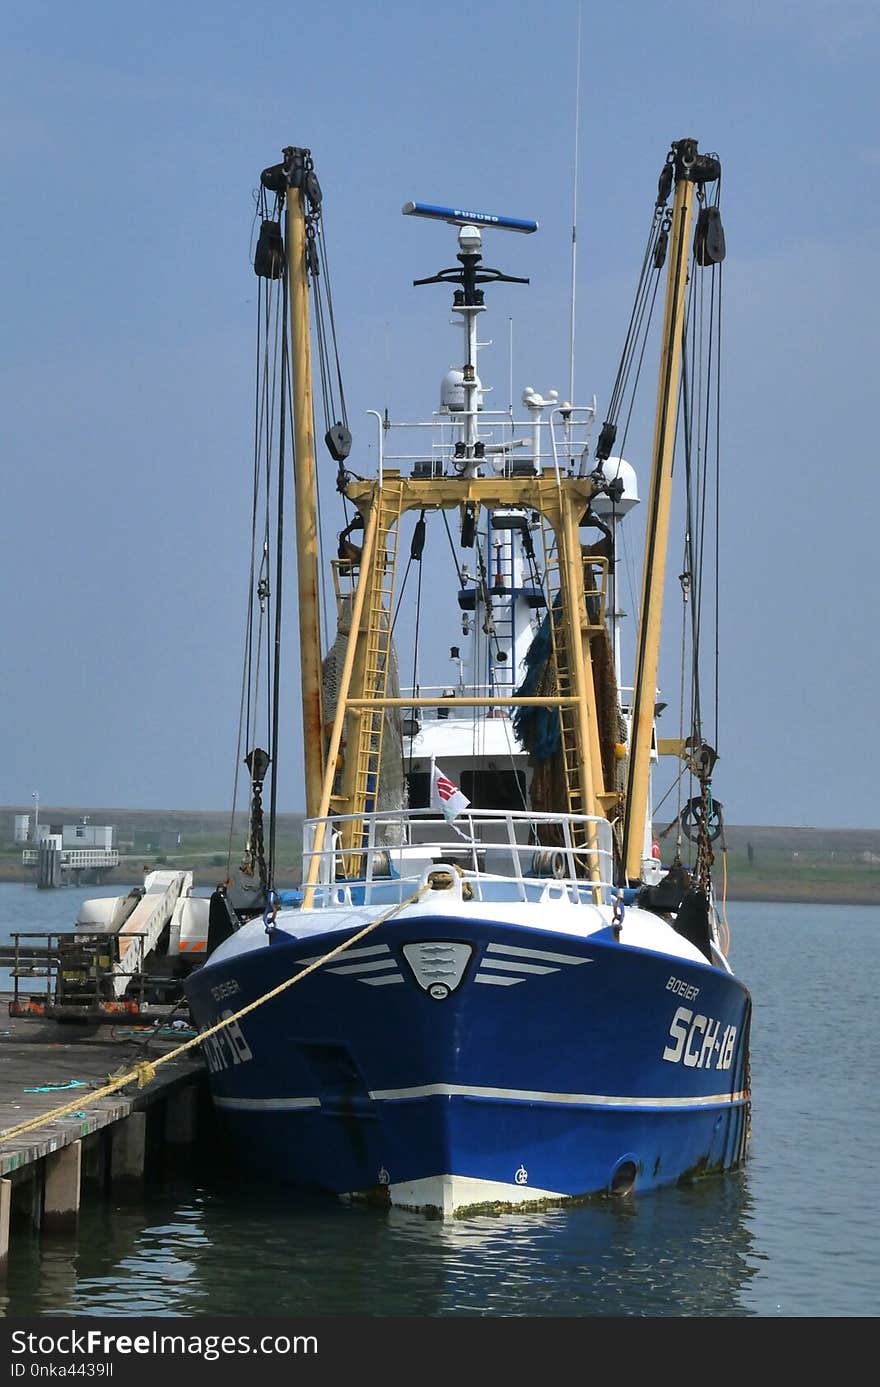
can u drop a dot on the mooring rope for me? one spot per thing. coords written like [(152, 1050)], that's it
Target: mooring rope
[(145, 1072)]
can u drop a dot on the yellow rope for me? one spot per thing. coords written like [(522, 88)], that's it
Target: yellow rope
[(145, 1073)]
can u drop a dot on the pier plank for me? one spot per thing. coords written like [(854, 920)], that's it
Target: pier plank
[(39, 1058)]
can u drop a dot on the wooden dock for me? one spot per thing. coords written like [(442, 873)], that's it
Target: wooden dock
[(45, 1064)]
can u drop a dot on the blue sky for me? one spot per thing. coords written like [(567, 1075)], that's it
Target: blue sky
[(133, 141)]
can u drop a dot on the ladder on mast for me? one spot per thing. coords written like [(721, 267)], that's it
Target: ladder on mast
[(575, 616), (363, 757), (559, 645)]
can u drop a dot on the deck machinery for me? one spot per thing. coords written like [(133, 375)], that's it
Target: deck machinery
[(124, 961)]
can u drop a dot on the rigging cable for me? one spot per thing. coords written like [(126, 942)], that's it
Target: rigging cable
[(646, 319), (719, 268), (691, 576), (264, 587), (700, 819), (258, 581), (322, 250), (415, 669), (244, 700), (279, 571), (642, 311), (635, 328), (692, 559), (335, 418)]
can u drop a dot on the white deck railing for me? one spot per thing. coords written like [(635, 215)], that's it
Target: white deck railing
[(558, 442), (498, 855)]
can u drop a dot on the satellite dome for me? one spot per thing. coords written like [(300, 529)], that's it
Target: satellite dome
[(452, 397), (614, 469)]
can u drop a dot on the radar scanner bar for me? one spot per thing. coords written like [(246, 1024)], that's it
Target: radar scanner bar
[(455, 216)]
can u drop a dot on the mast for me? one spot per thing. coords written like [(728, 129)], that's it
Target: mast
[(297, 166), (513, 496), (689, 168)]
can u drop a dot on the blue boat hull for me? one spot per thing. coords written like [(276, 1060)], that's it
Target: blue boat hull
[(585, 1067)]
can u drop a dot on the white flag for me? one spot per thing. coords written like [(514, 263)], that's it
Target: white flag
[(445, 796)]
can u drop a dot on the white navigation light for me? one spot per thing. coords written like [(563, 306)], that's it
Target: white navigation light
[(457, 216)]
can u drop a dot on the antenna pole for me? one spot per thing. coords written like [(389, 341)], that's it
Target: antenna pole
[(577, 122)]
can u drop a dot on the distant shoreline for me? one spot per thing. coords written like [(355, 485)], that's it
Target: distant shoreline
[(757, 889), (830, 893)]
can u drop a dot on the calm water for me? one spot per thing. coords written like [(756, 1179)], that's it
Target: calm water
[(796, 1233)]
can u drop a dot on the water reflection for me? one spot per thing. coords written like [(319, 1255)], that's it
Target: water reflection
[(210, 1248)]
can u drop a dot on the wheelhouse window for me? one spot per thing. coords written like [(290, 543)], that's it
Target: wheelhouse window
[(488, 788)]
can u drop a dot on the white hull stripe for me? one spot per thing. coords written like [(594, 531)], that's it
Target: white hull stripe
[(371, 964), (525, 1095), (515, 1095), (499, 982), (372, 967), (368, 951), (515, 967), (516, 952), (378, 956)]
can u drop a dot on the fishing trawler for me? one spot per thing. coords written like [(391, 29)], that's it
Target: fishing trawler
[(489, 991)]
